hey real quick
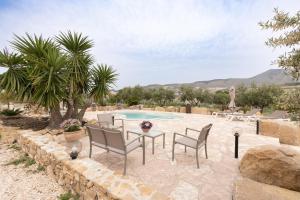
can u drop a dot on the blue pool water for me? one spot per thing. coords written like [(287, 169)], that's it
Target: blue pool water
[(145, 115)]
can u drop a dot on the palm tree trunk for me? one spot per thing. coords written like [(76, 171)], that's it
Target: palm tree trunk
[(69, 111), (82, 111), (55, 117)]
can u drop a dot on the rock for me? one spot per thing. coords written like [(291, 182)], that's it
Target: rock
[(272, 165), (246, 189), (269, 128), (289, 134)]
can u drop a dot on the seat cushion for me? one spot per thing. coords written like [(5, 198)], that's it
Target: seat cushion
[(186, 141), (99, 145), (133, 146), (130, 148)]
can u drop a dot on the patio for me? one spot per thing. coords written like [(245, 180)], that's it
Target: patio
[(181, 179)]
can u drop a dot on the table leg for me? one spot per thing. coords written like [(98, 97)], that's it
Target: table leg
[(144, 150), (152, 145), (164, 139), (127, 136)]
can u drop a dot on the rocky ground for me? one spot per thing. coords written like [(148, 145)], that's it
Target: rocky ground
[(24, 179)]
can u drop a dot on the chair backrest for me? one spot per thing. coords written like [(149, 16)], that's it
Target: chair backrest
[(105, 119), (279, 114), (114, 138), (204, 133), (96, 134), (253, 111)]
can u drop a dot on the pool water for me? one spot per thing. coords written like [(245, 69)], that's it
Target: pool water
[(145, 115)]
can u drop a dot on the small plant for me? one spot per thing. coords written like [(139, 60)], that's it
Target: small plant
[(15, 146), (40, 168), (68, 196), (146, 125), (23, 159), (11, 112), (71, 125)]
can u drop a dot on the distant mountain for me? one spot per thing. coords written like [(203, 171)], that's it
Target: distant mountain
[(272, 76)]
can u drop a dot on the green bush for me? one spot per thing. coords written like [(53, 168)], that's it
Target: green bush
[(11, 112), (68, 196)]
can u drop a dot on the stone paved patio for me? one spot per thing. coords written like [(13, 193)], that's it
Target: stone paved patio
[(181, 179)]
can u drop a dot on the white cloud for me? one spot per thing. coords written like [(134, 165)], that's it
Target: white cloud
[(198, 39)]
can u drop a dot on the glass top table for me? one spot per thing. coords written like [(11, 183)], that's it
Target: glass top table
[(150, 134)]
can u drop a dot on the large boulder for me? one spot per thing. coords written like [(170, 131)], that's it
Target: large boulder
[(272, 165), (269, 128), (246, 189), (289, 134)]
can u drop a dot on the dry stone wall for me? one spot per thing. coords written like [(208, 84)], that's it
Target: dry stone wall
[(88, 178)]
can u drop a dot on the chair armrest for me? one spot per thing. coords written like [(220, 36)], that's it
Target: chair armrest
[(191, 129), (137, 138), (122, 120), (184, 136)]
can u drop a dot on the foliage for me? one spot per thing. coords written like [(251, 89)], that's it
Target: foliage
[(40, 168), (15, 146), (146, 125), (68, 196), (23, 159), (6, 98), (289, 27), (11, 112), (262, 96), (71, 125), (162, 96), (221, 97), (103, 77), (290, 101), (187, 95), (48, 71)]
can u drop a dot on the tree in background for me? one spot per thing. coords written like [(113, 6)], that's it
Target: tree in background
[(282, 21), (290, 101), (162, 96), (48, 71), (257, 96), (187, 94), (203, 96), (221, 98)]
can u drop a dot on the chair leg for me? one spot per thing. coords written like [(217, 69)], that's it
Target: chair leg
[(173, 147), (125, 164), (184, 148), (197, 158), (206, 151), (90, 155)]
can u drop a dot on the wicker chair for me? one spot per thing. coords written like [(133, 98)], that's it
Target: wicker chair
[(192, 142)]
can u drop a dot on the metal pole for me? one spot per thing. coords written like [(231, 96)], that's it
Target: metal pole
[(236, 145)]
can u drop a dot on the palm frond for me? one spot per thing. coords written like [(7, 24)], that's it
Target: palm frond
[(103, 77)]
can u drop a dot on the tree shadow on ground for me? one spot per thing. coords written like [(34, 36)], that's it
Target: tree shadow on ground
[(24, 122)]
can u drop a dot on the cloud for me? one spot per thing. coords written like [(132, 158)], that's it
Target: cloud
[(157, 41)]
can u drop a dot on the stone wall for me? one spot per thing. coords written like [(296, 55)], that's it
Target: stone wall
[(287, 132), (86, 177)]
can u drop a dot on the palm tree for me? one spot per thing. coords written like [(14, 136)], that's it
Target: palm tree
[(49, 72)]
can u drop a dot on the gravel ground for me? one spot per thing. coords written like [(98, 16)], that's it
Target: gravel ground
[(24, 183)]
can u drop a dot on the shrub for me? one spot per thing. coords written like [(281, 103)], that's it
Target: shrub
[(11, 112), (68, 196), (71, 125)]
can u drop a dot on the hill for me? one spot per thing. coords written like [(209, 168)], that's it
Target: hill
[(272, 76)]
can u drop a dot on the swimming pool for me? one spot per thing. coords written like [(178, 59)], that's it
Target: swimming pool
[(147, 115)]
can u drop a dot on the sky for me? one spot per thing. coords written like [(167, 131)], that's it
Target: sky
[(157, 41)]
